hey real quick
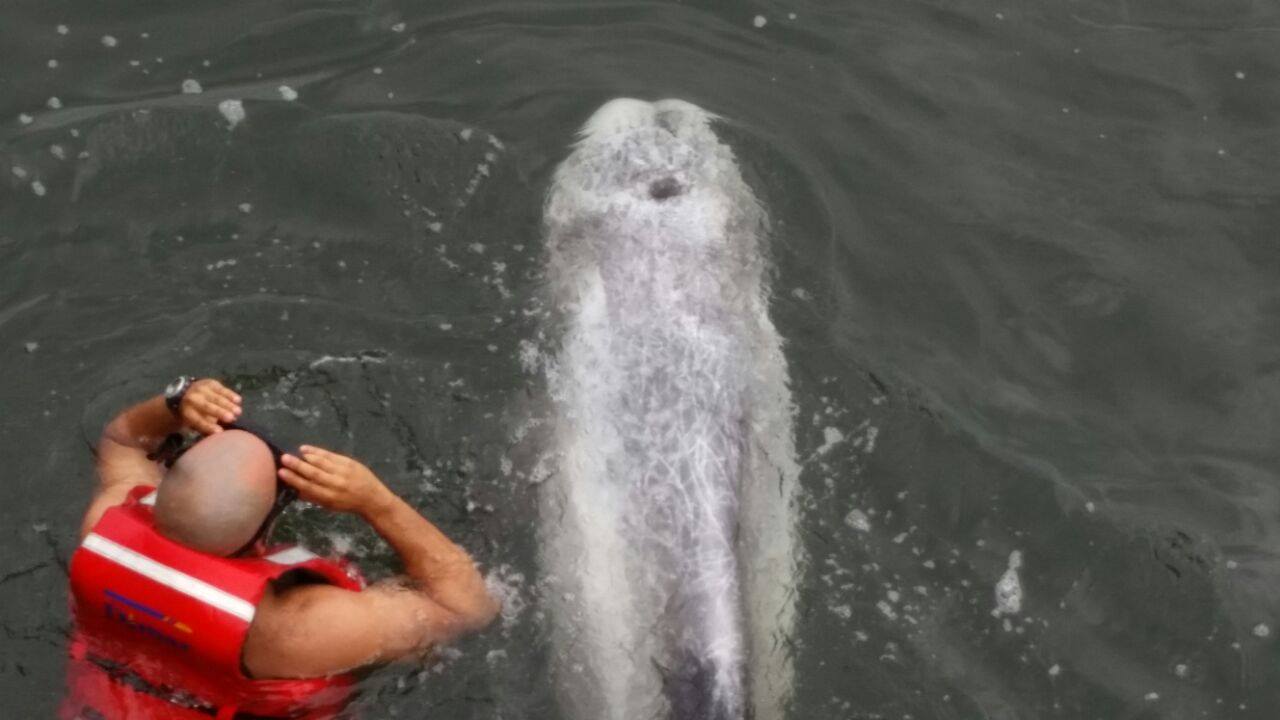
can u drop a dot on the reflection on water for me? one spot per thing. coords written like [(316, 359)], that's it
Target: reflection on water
[(1024, 274)]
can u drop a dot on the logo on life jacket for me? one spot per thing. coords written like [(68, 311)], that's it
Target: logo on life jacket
[(118, 608)]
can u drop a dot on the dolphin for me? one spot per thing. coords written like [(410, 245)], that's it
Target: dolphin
[(667, 527)]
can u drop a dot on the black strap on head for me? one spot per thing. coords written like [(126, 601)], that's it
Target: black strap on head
[(284, 493)]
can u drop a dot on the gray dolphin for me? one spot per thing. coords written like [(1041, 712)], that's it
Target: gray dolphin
[(668, 525)]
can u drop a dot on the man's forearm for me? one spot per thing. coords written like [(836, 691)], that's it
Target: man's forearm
[(445, 571), (143, 426)]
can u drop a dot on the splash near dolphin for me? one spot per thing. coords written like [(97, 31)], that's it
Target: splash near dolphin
[(668, 526)]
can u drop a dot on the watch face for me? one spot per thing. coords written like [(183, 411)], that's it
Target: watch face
[(175, 387)]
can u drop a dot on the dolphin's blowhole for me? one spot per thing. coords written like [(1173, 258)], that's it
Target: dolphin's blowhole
[(664, 188)]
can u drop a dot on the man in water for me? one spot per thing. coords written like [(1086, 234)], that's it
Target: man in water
[(180, 610)]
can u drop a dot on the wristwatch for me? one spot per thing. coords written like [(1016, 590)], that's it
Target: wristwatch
[(174, 393)]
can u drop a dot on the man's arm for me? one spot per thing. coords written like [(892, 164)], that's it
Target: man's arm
[(122, 450), (313, 630)]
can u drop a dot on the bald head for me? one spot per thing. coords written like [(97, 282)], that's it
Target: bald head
[(217, 494)]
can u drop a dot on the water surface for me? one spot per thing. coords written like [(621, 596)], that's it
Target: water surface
[(1025, 271)]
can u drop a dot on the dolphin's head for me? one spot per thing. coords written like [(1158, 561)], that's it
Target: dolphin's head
[(649, 152), (644, 170), (661, 147)]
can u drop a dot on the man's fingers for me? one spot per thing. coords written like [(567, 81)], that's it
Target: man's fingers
[(224, 412), (306, 489), (331, 461), (205, 426), (322, 460), (221, 401), (294, 479), (230, 410), (328, 454), (224, 392), (307, 470)]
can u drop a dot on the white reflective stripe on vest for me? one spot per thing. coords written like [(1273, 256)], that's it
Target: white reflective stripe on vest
[(292, 556), (169, 577)]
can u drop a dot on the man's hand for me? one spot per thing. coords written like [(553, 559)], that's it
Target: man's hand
[(334, 481), (207, 403)]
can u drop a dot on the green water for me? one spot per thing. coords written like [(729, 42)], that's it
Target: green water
[(1026, 270)]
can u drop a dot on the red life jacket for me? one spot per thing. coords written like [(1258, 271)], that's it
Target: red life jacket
[(161, 627)]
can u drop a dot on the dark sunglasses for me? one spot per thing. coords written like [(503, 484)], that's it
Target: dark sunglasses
[(176, 445)]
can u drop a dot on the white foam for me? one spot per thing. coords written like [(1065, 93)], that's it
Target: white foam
[(858, 520), (191, 86), (1009, 588), (287, 93), (830, 438), (233, 111)]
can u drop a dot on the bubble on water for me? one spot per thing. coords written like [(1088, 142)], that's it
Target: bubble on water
[(887, 610), (791, 16), (58, 152), (398, 27), (873, 432), (19, 172), (504, 584), (477, 248), (54, 103), (1054, 670), (830, 438), (341, 543), (999, 16), (53, 63), (760, 21), (377, 71), (858, 520), (446, 326), (842, 611), (1181, 670), (31, 346), (109, 41), (246, 207), (1261, 630), (1151, 696), (37, 187), (233, 111), (287, 93), (191, 86), (1239, 74), (1009, 588), (63, 29)]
